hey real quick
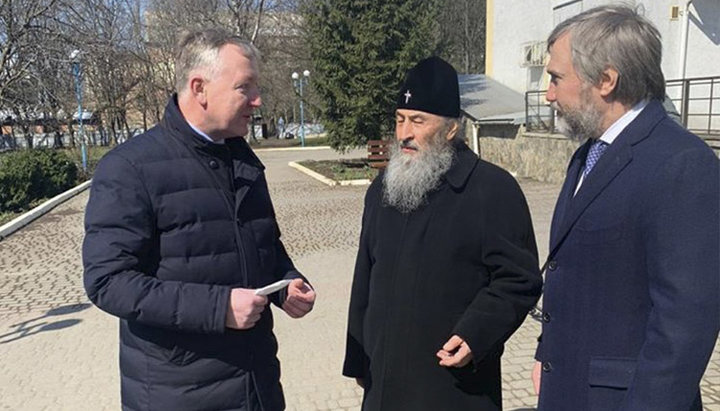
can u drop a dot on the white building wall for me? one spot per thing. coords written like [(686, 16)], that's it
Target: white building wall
[(519, 22), (516, 24), (703, 46)]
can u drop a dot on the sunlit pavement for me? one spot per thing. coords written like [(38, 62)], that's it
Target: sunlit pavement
[(60, 353)]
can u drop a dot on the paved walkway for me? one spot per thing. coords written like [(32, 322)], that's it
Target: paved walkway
[(60, 353)]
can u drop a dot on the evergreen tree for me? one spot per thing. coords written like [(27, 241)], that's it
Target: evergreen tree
[(361, 50)]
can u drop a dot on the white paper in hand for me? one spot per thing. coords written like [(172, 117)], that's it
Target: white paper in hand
[(269, 289)]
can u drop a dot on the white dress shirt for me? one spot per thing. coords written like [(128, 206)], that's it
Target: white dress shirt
[(207, 137)]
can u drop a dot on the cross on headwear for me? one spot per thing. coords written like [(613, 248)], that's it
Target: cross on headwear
[(432, 87)]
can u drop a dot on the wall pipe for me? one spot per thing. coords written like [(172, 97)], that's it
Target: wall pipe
[(684, 40)]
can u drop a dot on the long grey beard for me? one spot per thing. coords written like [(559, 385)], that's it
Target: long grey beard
[(409, 178)]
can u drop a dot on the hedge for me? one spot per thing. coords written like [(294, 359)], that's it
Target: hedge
[(29, 175)]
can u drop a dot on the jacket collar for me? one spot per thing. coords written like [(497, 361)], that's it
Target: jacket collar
[(175, 122), (463, 163)]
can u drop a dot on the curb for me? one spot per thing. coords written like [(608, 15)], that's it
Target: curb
[(325, 180), (293, 148), (37, 212)]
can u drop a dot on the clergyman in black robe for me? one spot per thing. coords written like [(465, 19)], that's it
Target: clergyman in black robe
[(447, 265)]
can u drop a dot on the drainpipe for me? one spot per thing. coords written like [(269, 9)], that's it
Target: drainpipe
[(475, 145), (684, 40)]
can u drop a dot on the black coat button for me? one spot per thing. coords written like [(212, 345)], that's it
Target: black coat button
[(546, 317), (213, 164), (552, 265), (547, 366)]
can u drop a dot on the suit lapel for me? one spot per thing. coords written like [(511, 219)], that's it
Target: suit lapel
[(615, 159), (566, 193)]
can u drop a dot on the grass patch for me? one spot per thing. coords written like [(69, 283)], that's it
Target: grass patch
[(339, 170), (94, 154), (7, 216)]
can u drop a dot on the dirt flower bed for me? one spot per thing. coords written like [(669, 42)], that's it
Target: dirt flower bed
[(339, 170), (273, 142)]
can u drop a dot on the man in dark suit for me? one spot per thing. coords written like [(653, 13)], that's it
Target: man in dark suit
[(630, 311)]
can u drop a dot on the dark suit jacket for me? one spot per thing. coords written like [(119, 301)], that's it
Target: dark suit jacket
[(631, 309)]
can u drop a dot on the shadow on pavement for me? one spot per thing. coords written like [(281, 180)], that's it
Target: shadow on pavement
[(32, 326)]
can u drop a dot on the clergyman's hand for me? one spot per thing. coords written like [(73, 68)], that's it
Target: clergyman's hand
[(300, 299), (455, 353), (244, 308)]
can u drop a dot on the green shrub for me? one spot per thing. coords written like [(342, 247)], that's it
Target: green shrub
[(30, 175)]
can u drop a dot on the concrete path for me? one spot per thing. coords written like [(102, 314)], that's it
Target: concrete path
[(60, 353)]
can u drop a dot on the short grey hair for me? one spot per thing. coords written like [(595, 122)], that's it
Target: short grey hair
[(199, 50), (616, 36)]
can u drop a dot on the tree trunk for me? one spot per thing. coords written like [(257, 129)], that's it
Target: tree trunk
[(58, 140), (128, 133), (72, 134), (466, 40), (257, 22)]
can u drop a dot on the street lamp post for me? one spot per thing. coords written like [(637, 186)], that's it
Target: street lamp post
[(298, 84), (77, 75)]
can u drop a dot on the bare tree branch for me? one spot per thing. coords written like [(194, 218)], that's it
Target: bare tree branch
[(257, 21)]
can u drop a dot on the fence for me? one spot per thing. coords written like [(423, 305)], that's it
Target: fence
[(98, 137), (697, 101), (539, 116)]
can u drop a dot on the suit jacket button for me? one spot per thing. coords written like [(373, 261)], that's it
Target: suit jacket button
[(547, 366), (546, 317), (552, 265), (213, 164)]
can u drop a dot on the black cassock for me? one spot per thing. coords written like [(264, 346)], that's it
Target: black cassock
[(465, 263)]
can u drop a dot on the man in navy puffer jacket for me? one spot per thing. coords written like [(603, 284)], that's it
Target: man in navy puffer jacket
[(180, 231)]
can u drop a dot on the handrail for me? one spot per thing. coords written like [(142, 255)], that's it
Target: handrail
[(697, 102)]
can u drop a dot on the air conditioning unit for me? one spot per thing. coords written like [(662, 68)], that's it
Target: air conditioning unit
[(534, 54), (674, 12)]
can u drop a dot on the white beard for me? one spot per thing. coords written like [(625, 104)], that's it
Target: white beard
[(410, 177)]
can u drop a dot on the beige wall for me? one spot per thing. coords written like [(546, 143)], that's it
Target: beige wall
[(541, 157)]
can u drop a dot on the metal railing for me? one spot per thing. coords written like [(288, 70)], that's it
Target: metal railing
[(697, 100), (539, 116)]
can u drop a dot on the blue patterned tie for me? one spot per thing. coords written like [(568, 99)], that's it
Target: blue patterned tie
[(596, 150)]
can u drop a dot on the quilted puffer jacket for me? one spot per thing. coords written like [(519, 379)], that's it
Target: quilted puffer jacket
[(173, 223)]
